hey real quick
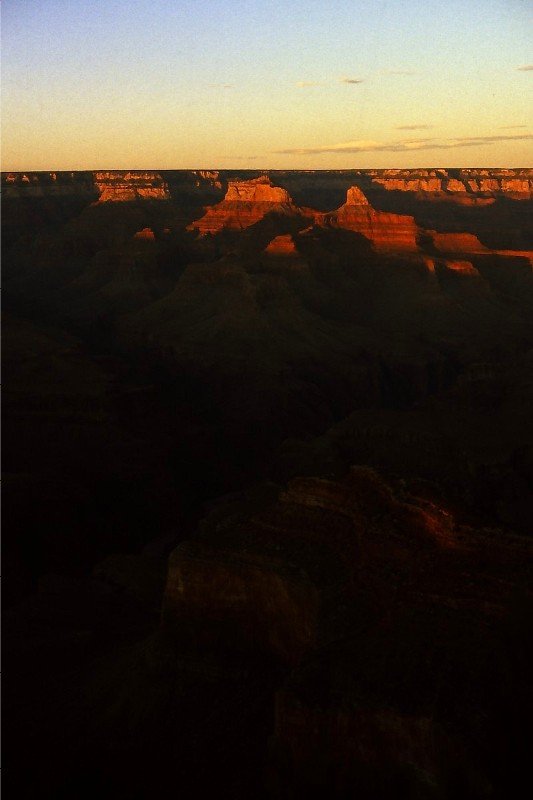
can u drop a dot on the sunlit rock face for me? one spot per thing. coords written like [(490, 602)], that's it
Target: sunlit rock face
[(460, 274), (127, 186), (245, 203), (257, 190), (385, 230), (467, 186), (282, 245), (457, 242), (146, 235), (461, 268)]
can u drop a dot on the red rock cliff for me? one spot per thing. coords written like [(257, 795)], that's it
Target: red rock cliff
[(245, 203), (386, 231)]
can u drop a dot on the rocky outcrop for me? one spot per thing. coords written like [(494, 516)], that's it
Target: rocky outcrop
[(395, 232), (257, 190), (145, 235), (282, 245), (245, 203), (363, 591), (56, 185), (246, 596), (316, 188), (467, 244), (461, 268), (264, 583), (466, 185), (456, 242), (127, 186)]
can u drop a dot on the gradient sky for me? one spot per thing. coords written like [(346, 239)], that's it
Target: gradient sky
[(167, 84)]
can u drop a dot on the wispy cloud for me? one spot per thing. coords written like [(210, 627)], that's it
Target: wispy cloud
[(351, 80), (398, 72), (413, 127), (308, 84), (404, 145), (510, 127), (526, 68)]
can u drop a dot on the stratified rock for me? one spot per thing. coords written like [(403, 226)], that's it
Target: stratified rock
[(256, 190), (245, 203), (387, 231), (467, 186), (457, 242), (127, 186)]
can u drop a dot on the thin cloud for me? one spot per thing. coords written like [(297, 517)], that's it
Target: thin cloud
[(221, 85), (510, 127), (404, 145), (351, 80), (413, 127), (398, 72), (308, 84), (525, 68)]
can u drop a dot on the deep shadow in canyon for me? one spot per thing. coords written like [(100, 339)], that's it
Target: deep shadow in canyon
[(268, 483)]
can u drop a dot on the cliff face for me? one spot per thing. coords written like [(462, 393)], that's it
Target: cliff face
[(316, 188), (386, 231), (363, 590), (33, 185), (258, 190), (463, 185), (121, 187), (245, 203), (343, 628)]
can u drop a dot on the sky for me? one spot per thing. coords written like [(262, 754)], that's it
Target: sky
[(266, 84)]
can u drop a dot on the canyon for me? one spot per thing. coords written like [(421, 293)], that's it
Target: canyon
[(268, 482)]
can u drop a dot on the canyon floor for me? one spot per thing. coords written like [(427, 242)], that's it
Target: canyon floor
[(268, 483)]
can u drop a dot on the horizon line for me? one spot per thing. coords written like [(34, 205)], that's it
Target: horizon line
[(252, 169)]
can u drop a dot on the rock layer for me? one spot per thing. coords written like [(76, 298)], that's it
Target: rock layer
[(245, 203), (386, 231), (127, 186)]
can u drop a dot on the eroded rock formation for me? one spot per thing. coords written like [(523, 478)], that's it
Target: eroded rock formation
[(146, 235), (282, 245), (386, 231), (126, 186), (463, 185), (363, 591), (245, 203)]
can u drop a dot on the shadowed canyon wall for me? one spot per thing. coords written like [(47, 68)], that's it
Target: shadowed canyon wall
[(268, 483)]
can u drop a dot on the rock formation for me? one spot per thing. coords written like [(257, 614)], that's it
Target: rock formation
[(361, 589), (358, 632), (282, 245), (127, 186), (462, 185), (245, 203), (456, 242), (146, 235), (266, 585), (395, 232)]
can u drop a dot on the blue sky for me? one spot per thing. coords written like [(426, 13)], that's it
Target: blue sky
[(163, 84)]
